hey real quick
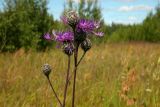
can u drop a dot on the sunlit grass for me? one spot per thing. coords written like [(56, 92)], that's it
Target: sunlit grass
[(99, 82)]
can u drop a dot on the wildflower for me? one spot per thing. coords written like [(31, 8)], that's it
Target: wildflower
[(85, 27), (70, 18), (47, 36), (70, 42), (68, 48), (86, 45), (46, 68), (64, 36)]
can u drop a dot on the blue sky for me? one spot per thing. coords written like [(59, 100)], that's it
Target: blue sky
[(120, 11)]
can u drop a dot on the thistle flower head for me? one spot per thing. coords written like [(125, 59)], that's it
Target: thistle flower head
[(88, 26), (86, 45), (64, 36), (46, 68), (70, 18), (68, 48)]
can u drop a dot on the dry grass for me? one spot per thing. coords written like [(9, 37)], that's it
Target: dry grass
[(105, 77)]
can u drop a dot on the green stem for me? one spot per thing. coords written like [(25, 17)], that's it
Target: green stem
[(67, 81), (77, 64), (54, 91), (75, 73), (81, 58)]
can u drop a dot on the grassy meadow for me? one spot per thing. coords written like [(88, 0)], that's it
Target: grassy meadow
[(111, 75)]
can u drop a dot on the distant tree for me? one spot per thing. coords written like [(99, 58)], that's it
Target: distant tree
[(22, 24), (148, 30)]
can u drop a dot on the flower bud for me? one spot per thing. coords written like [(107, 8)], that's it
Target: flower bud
[(72, 18), (46, 68), (68, 48), (86, 45)]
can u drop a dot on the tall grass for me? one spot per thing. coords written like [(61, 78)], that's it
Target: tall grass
[(100, 77)]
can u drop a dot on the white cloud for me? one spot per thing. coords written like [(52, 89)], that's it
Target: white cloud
[(132, 18), (135, 8), (127, 21)]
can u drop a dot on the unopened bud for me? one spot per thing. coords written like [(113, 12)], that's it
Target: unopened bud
[(46, 68), (72, 18), (86, 45), (68, 48)]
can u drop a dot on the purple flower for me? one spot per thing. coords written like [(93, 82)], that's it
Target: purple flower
[(64, 36), (87, 25), (100, 34), (68, 48), (47, 36)]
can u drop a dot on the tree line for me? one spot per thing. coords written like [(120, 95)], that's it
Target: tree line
[(24, 22)]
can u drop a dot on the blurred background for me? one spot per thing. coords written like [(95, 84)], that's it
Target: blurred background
[(24, 22)]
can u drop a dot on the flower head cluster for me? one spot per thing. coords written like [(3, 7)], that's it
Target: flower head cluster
[(81, 29)]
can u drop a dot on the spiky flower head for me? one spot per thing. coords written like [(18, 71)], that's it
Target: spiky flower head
[(86, 45), (88, 26), (68, 48), (46, 68), (71, 18)]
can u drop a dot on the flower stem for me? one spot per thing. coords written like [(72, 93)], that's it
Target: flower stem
[(81, 58), (75, 73), (67, 81), (77, 65), (54, 91)]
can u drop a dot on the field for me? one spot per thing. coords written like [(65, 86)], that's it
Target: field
[(111, 75)]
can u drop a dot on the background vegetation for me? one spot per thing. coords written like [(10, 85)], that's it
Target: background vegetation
[(127, 77)]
